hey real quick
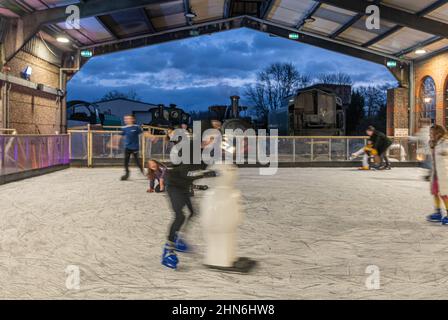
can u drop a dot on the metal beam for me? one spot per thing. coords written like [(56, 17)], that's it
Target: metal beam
[(227, 8), (320, 41), (102, 20), (350, 23), (237, 22), (267, 8), (436, 5), (148, 21), (382, 36), (308, 15), (87, 9), (419, 45), (165, 36), (421, 13), (187, 8), (400, 17)]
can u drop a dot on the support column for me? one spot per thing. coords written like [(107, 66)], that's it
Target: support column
[(398, 111)]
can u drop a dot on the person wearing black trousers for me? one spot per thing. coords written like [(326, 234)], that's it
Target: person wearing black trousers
[(381, 143), (179, 186), (131, 133)]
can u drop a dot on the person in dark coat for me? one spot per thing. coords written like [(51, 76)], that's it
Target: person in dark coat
[(381, 143), (179, 182)]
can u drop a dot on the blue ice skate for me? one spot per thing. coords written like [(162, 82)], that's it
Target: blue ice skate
[(181, 245), (445, 221), (169, 258), (435, 217)]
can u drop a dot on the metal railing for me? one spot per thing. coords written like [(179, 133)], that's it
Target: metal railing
[(20, 153), (101, 146), (8, 131)]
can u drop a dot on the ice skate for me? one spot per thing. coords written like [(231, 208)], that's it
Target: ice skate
[(444, 221), (435, 217), (364, 168), (125, 177), (181, 245), (242, 265), (200, 187), (169, 257)]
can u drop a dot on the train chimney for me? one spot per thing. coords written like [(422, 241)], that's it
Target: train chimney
[(235, 106)]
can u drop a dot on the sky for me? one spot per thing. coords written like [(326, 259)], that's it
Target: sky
[(202, 71)]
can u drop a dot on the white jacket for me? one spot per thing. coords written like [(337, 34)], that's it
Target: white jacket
[(440, 165)]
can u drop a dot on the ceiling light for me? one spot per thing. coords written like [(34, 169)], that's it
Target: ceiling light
[(420, 51), (63, 39), (190, 15)]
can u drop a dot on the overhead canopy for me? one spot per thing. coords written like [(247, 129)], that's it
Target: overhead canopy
[(114, 25)]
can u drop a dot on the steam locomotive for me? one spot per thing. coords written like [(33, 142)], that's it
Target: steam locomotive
[(313, 111), (172, 116)]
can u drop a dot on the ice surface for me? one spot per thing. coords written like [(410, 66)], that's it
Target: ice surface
[(313, 232)]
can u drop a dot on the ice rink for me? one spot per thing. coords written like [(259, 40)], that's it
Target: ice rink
[(313, 231)]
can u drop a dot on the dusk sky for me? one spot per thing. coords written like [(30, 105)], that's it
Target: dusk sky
[(199, 72)]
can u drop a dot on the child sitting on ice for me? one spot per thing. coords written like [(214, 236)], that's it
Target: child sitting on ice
[(156, 172), (367, 152)]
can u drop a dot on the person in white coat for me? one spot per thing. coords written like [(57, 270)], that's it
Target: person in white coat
[(439, 174)]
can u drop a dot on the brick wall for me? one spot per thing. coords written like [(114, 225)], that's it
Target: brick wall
[(437, 68), (397, 110), (33, 111)]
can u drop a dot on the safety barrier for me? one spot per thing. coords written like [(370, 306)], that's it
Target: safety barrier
[(103, 147), (22, 153)]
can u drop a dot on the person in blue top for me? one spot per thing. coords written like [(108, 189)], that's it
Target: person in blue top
[(131, 133)]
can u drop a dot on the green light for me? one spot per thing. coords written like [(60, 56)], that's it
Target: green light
[(294, 36), (391, 63), (86, 54)]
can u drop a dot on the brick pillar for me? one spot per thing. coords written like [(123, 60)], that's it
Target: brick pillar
[(397, 110)]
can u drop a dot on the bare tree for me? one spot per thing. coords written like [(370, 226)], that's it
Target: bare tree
[(374, 99), (274, 84), (115, 94), (339, 78)]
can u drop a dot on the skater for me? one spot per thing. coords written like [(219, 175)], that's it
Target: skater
[(439, 173), (131, 133), (367, 153), (381, 144), (156, 173), (179, 186)]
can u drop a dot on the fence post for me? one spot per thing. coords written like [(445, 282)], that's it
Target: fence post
[(329, 149), (312, 149), (163, 150), (347, 146), (111, 152), (294, 149), (89, 147), (143, 151), (69, 145)]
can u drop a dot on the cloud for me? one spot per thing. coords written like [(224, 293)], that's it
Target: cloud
[(206, 70)]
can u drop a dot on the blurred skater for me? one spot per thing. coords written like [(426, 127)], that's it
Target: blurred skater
[(367, 153), (156, 173), (131, 133), (381, 144), (439, 172)]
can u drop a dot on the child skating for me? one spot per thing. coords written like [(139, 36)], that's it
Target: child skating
[(439, 173), (367, 153)]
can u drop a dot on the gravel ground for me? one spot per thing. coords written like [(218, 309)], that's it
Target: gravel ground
[(313, 231)]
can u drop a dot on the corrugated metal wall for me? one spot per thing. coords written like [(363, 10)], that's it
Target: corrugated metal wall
[(39, 49)]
